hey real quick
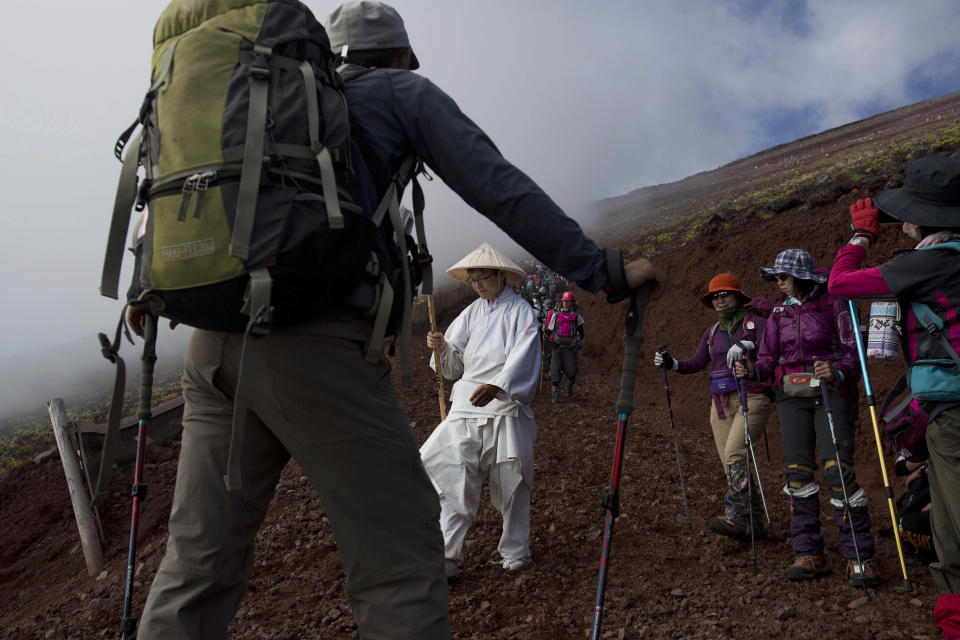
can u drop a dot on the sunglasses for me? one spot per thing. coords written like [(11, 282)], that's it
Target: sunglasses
[(476, 281), (782, 277), (721, 294)]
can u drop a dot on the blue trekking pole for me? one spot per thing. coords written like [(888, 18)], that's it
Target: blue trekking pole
[(871, 402), (139, 489), (611, 500)]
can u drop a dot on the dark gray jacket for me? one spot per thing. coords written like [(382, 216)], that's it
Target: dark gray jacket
[(394, 113)]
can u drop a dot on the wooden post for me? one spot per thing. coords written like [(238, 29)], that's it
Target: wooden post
[(89, 537), (436, 359)]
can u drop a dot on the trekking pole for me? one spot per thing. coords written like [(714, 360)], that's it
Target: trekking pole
[(748, 443), (825, 393), (871, 402), (436, 359), (128, 624), (676, 447), (748, 439), (632, 340)]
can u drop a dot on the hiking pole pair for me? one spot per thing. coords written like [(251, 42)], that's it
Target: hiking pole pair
[(632, 340), (843, 483), (676, 447), (128, 624), (751, 456), (871, 402)]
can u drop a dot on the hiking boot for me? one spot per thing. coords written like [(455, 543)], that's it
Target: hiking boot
[(861, 574), (808, 568), (555, 397), (731, 529), (569, 389)]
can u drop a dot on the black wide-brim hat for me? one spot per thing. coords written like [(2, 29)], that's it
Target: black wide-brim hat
[(929, 197)]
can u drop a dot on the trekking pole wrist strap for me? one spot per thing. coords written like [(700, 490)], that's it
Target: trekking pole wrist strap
[(616, 286)]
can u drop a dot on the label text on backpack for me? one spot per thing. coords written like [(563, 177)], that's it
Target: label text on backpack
[(189, 250)]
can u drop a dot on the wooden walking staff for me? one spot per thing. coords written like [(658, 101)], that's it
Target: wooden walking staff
[(436, 359)]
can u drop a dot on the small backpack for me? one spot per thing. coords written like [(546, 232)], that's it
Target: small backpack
[(935, 379), (563, 327)]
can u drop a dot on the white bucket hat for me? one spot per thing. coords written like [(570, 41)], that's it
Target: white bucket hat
[(486, 257)]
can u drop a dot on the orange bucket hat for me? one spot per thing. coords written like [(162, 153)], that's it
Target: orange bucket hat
[(724, 282)]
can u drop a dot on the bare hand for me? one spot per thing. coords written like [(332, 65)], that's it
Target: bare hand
[(136, 319), (483, 394), (642, 270), (436, 341), (741, 371), (824, 371)]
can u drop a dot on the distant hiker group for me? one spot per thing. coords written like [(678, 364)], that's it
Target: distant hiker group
[(275, 152)]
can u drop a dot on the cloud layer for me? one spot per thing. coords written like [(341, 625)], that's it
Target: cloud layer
[(590, 99)]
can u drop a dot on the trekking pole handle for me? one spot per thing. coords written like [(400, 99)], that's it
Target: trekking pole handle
[(147, 362), (632, 341)]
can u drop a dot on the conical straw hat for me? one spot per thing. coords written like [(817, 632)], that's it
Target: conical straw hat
[(486, 257)]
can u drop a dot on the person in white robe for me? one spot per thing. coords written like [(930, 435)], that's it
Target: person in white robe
[(492, 350)]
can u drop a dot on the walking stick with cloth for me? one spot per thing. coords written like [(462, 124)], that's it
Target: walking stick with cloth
[(676, 447), (436, 359), (871, 402), (128, 623), (751, 456), (632, 340), (825, 393)]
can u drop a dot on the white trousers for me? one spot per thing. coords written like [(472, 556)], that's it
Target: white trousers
[(459, 454)]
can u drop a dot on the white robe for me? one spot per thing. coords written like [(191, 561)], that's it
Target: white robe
[(495, 343)]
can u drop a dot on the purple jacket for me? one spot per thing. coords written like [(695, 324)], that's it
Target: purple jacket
[(751, 328), (796, 336)]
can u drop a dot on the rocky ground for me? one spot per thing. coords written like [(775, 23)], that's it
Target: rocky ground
[(669, 576)]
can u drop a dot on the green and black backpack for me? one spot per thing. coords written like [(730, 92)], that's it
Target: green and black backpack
[(249, 218)]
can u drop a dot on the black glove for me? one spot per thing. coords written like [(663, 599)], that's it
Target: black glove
[(664, 360)]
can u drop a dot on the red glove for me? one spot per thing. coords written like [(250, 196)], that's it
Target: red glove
[(866, 217)]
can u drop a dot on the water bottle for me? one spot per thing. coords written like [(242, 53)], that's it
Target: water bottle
[(883, 336)]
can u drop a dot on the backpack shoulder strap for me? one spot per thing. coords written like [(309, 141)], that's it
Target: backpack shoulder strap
[(933, 324), (713, 331)]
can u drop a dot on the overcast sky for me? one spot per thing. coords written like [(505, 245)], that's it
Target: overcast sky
[(591, 99)]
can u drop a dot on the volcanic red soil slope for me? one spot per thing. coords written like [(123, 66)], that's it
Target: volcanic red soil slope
[(669, 576)]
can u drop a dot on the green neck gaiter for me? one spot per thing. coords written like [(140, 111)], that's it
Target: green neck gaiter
[(730, 318)]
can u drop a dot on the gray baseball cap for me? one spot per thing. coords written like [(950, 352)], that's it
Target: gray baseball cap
[(367, 24)]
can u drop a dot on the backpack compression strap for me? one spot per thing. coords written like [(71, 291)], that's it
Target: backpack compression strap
[(111, 351), (322, 152), (127, 186), (252, 153)]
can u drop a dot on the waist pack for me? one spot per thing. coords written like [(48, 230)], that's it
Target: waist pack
[(800, 385), (722, 382)]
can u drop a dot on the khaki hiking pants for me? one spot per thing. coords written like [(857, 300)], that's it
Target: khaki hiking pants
[(316, 399), (728, 432), (943, 442)]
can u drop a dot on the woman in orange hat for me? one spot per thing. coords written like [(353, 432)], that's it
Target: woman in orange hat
[(735, 334)]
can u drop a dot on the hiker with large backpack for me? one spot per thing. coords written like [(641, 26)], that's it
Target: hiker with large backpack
[(492, 351), (926, 284), (809, 342), (563, 330), (270, 191), (735, 335)]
